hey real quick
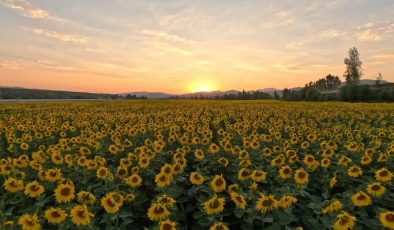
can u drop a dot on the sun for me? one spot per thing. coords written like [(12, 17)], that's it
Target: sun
[(202, 87)]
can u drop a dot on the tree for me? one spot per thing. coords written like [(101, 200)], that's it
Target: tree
[(379, 79), (353, 64)]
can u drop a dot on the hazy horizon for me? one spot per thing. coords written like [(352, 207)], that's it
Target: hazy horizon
[(181, 46)]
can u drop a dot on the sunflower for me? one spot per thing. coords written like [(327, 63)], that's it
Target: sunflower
[(333, 181), (8, 224), (233, 188), (344, 221), (166, 200), (214, 205), (80, 215), (239, 200), (213, 148), (109, 204), (167, 169), (163, 180), (387, 219), (167, 225), (34, 189), (102, 172), (376, 189), (134, 180), (218, 183), (121, 172), (13, 185), (143, 162), (266, 203), (253, 186), (86, 198), (286, 201), (361, 199), (309, 160), (354, 171), (383, 175), (199, 154), (325, 163), (243, 174), (334, 206), (219, 226), (29, 222), (285, 172), (301, 177), (129, 197), (258, 175), (365, 160), (64, 193), (55, 215), (158, 212), (223, 161), (53, 175), (196, 178)]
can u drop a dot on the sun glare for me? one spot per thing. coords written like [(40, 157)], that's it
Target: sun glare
[(202, 86)]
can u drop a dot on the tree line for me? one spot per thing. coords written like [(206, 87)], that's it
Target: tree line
[(330, 88)]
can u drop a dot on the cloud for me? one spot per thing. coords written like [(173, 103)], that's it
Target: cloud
[(374, 31), (64, 37), (28, 10), (289, 68), (383, 56), (332, 33), (167, 37), (284, 18), (6, 64), (369, 35)]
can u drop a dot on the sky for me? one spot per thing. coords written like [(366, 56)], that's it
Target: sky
[(180, 46)]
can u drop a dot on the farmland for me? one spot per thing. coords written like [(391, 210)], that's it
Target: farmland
[(196, 165)]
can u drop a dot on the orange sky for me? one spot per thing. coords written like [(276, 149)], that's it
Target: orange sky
[(182, 46)]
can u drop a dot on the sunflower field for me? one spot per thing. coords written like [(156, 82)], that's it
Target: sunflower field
[(196, 165)]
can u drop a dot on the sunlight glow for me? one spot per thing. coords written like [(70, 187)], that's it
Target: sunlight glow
[(202, 87)]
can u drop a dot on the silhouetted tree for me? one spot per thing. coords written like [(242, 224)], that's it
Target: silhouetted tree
[(353, 64)]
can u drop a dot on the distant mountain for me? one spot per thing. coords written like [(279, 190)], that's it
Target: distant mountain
[(25, 93), (368, 82), (151, 95)]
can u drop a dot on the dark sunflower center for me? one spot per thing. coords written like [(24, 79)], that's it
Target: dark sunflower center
[(267, 203), (258, 174), (167, 226), (286, 171), (134, 180), (34, 188), (344, 220), (162, 178), (309, 159), (219, 182), (390, 217), (245, 173), (215, 204), (167, 170), (354, 170), (81, 214), (383, 173), (110, 203), (55, 214), (239, 199), (361, 197), (301, 175), (65, 191), (103, 172), (375, 187), (158, 210)]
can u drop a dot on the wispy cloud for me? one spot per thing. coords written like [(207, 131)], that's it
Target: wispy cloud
[(374, 31), (28, 10), (332, 33), (167, 37), (64, 37), (7, 64)]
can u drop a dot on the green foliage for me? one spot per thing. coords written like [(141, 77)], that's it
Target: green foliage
[(353, 64)]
